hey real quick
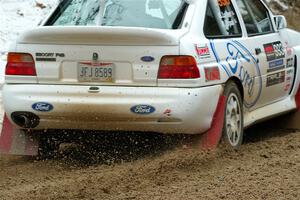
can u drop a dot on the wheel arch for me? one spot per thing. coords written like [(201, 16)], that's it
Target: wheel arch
[(239, 84), (295, 74)]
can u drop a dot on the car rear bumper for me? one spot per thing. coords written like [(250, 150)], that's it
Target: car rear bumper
[(177, 110)]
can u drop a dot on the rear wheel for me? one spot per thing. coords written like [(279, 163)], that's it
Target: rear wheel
[(233, 122)]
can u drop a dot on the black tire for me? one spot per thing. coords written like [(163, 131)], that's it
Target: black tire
[(48, 147), (233, 129)]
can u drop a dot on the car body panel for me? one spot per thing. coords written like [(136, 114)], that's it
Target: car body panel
[(130, 36), (176, 110), (129, 69)]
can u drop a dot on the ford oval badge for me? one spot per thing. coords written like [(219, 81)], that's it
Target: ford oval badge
[(142, 109), (147, 59), (42, 107)]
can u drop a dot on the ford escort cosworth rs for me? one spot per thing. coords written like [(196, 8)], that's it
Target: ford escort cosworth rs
[(165, 66)]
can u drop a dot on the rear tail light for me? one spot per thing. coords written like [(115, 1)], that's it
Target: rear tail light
[(178, 67), (20, 64)]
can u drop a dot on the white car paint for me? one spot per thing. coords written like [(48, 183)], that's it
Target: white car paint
[(109, 108), (181, 106)]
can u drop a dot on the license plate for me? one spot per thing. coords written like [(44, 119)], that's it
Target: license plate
[(95, 72)]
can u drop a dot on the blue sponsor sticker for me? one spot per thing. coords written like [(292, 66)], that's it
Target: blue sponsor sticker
[(42, 107), (276, 63), (147, 58), (142, 109)]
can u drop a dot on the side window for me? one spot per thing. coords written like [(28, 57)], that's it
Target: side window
[(221, 20), (255, 16)]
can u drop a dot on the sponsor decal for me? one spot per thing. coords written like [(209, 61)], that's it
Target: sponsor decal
[(289, 79), (224, 3), (48, 57), (276, 78), (287, 87), (142, 109), (290, 71), (42, 107), (147, 58), (276, 65), (290, 62), (212, 74), (168, 112), (237, 57), (202, 51), (274, 51)]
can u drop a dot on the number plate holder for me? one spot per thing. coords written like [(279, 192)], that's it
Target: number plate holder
[(95, 72)]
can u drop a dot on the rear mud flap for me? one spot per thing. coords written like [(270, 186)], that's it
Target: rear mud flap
[(212, 137), (17, 142)]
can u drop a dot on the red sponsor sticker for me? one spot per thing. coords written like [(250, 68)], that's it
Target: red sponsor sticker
[(287, 87), (269, 49), (202, 51), (96, 64), (168, 112), (224, 3)]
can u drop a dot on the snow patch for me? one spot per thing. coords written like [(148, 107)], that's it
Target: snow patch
[(17, 16)]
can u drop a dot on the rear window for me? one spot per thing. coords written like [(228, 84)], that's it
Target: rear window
[(164, 14)]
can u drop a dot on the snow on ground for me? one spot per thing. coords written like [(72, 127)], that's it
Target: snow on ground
[(17, 16)]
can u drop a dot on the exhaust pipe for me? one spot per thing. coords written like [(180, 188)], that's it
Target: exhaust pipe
[(25, 119)]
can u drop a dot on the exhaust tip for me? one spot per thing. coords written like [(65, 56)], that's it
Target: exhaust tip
[(25, 119)]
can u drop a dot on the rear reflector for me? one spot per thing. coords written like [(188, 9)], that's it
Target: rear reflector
[(178, 67), (20, 64), (212, 74)]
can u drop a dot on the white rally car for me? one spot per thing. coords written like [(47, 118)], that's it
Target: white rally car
[(153, 66)]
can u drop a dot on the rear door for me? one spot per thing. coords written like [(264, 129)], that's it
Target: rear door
[(270, 50), (227, 43)]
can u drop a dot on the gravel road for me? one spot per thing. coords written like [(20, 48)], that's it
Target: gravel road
[(266, 167)]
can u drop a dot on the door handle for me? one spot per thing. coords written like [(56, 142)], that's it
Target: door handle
[(257, 51)]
